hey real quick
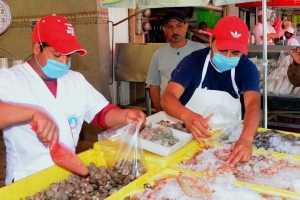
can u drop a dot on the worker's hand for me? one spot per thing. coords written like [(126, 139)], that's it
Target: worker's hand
[(45, 128), (271, 36), (295, 53), (198, 126), (135, 115), (241, 152)]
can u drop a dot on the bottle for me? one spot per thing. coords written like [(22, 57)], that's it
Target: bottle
[(252, 39)]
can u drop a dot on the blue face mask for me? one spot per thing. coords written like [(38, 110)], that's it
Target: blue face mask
[(224, 63), (54, 69)]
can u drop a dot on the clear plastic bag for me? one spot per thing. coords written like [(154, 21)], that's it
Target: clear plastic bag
[(220, 119), (122, 150)]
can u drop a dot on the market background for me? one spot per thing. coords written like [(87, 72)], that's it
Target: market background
[(93, 32)]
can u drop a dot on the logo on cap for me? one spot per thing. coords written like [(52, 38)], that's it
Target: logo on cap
[(70, 29), (235, 34)]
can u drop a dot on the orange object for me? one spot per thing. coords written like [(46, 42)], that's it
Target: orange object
[(65, 157)]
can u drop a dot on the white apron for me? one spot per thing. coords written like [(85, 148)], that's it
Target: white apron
[(25, 153), (202, 97)]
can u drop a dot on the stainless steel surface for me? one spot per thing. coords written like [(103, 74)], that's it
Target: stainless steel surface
[(272, 53), (132, 61)]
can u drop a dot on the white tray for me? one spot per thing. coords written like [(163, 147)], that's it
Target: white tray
[(183, 137), (157, 117)]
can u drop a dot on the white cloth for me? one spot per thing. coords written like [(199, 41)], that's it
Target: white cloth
[(165, 60), (202, 97), (293, 41), (76, 101), (258, 33)]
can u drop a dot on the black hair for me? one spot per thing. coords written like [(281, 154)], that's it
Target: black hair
[(201, 23), (42, 45)]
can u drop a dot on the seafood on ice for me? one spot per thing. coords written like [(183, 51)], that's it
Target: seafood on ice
[(161, 135), (176, 125), (277, 141), (263, 169), (191, 187), (272, 140)]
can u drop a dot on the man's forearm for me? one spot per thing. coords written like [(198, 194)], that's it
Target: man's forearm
[(155, 97), (13, 114), (251, 119)]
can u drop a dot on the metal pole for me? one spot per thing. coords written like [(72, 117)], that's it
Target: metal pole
[(140, 11), (265, 63), (112, 54)]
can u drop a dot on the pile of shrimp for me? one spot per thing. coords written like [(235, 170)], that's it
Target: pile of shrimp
[(190, 187), (277, 172)]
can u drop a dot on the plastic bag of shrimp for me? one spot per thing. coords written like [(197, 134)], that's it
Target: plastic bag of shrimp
[(122, 150), (221, 120)]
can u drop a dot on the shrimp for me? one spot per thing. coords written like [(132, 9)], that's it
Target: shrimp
[(222, 154), (193, 159), (194, 186)]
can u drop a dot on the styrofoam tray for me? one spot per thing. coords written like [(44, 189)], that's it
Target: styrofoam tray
[(183, 137), (157, 117)]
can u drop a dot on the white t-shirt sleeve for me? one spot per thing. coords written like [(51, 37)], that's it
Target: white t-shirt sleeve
[(292, 42)]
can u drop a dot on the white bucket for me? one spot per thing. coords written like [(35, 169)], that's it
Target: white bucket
[(3, 63), (17, 62)]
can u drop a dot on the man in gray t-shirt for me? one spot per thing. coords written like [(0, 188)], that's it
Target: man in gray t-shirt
[(166, 58)]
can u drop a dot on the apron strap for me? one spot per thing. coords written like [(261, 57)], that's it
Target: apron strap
[(204, 69), (234, 83)]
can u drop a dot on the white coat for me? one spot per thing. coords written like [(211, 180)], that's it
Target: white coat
[(76, 101)]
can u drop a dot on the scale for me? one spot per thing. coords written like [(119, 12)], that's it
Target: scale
[(5, 16)]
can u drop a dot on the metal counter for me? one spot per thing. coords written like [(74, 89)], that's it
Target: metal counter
[(132, 61)]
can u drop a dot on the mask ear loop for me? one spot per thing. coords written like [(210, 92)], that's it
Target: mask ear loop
[(40, 41)]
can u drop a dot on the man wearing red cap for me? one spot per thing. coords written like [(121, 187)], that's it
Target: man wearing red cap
[(44, 90), (217, 75)]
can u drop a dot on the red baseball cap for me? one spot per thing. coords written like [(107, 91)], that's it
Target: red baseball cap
[(231, 33), (59, 33)]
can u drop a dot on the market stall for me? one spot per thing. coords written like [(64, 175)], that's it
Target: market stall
[(194, 171), (174, 166)]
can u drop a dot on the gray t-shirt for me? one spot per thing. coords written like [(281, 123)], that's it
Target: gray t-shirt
[(165, 60)]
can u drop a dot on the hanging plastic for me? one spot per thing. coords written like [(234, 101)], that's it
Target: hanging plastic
[(122, 150), (221, 120)]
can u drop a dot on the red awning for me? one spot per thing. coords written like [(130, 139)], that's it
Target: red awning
[(271, 3)]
